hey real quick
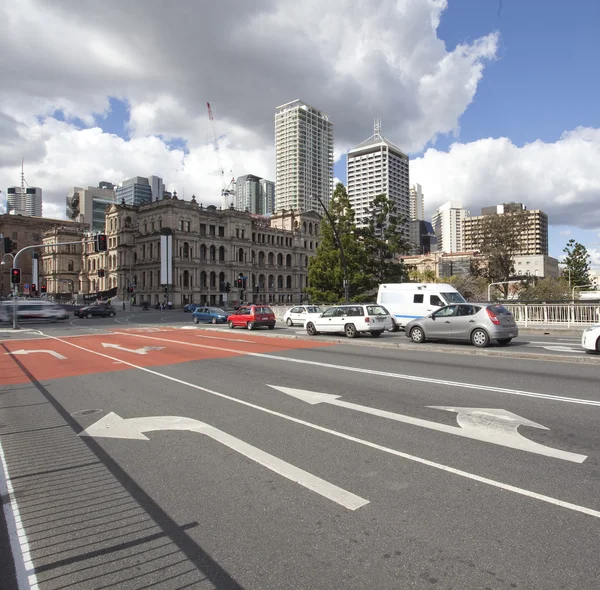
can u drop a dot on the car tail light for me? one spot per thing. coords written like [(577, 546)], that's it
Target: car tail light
[(367, 319), (492, 317)]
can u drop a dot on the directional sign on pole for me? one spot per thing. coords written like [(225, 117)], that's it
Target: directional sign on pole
[(490, 425), (52, 352), (113, 426)]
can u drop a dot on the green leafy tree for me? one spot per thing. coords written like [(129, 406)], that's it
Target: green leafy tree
[(384, 240), (548, 289), (325, 270), (577, 264), (500, 240)]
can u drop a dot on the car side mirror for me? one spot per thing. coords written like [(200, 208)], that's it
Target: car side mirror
[(432, 317)]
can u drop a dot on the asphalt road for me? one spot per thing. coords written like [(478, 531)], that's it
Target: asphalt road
[(145, 452)]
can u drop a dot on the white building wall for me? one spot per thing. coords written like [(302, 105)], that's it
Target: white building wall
[(447, 223), (417, 204)]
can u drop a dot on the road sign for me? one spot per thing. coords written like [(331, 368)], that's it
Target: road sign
[(490, 425), (113, 426)]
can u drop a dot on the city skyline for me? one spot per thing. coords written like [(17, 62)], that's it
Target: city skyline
[(443, 81)]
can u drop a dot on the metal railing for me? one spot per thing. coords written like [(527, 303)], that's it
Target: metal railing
[(558, 314)]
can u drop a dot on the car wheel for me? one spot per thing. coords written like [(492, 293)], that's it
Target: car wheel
[(310, 328), (88, 315), (395, 327), (214, 320), (417, 335), (271, 327), (376, 333), (289, 322), (351, 331), (250, 325), (111, 314), (503, 341), (230, 324), (480, 338), (196, 321)]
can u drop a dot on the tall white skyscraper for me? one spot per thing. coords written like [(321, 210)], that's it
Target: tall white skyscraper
[(304, 157), (374, 167), (24, 200), (448, 225), (417, 206)]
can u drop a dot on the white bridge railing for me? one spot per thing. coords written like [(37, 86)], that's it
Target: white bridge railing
[(560, 314)]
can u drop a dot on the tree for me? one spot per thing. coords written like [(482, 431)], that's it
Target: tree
[(577, 264), (325, 271), (500, 241), (384, 240), (472, 288), (547, 289)]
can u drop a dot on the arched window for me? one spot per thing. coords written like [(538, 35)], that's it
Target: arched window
[(221, 278), (134, 257), (213, 280), (203, 280), (304, 227), (213, 253), (305, 261), (143, 251), (316, 229), (280, 259), (271, 284), (186, 252), (94, 264), (288, 260), (222, 254), (288, 282), (241, 255), (253, 256), (70, 266), (261, 258), (186, 278), (89, 265), (280, 282), (270, 258), (202, 252), (310, 228), (150, 251)]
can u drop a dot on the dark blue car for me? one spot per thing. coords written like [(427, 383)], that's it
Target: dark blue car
[(210, 315)]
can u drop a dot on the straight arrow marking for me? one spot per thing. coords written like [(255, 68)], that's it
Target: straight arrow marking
[(489, 425), (52, 352), (143, 350), (113, 426)]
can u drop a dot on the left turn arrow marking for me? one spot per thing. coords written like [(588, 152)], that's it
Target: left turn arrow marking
[(52, 352)]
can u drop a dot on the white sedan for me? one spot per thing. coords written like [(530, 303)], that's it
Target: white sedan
[(299, 314), (590, 339)]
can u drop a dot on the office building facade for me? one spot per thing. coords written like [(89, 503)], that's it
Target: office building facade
[(447, 224), (416, 202), (304, 157), (374, 167), (422, 238), (533, 235), (139, 190), (24, 200), (89, 205)]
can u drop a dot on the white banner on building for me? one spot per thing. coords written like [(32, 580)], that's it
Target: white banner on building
[(166, 260), (34, 272)]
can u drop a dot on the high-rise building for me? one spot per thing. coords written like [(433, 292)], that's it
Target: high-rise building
[(533, 236), (247, 193), (374, 167), (417, 206), (139, 190), (304, 157), (267, 197), (89, 205), (24, 200), (447, 223), (422, 237)]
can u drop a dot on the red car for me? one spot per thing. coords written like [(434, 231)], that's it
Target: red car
[(252, 316)]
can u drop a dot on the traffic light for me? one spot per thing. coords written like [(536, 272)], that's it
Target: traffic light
[(43, 288), (33, 287), (101, 272), (101, 243), (227, 287), (7, 245), (15, 276), (130, 290)]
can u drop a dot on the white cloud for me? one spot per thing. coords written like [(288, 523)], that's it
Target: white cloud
[(355, 60), (561, 178)]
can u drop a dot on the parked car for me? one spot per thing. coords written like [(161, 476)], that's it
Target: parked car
[(252, 316), (300, 313), (94, 311), (590, 339), (213, 315), (191, 307), (478, 323), (353, 320), (32, 310)]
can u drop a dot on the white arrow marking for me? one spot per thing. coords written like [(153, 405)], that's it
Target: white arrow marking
[(52, 352), (113, 426), (494, 426), (143, 350)]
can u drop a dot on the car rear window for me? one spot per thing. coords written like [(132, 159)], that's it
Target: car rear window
[(263, 310), (377, 310), (499, 310)]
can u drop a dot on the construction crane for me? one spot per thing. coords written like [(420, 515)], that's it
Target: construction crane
[(226, 189)]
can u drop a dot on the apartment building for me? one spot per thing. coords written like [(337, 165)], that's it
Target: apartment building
[(447, 224), (533, 236), (254, 194), (416, 202), (304, 157)]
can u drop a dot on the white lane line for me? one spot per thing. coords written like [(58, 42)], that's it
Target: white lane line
[(446, 468), (491, 388), (25, 573)]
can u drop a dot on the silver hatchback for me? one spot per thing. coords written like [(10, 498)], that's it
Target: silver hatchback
[(478, 323)]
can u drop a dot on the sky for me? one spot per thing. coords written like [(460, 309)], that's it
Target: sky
[(494, 100)]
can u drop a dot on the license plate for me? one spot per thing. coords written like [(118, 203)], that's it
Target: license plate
[(263, 317), (380, 319)]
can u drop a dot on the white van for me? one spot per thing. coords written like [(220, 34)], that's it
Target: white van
[(407, 301)]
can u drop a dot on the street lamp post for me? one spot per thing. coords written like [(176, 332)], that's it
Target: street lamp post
[(499, 283), (578, 287)]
